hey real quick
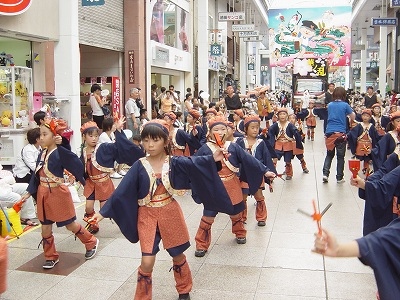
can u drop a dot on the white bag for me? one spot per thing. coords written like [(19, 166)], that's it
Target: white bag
[(74, 193)]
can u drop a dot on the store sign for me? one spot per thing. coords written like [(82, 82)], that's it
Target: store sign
[(252, 39), (395, 3), (383, 21), (216, 50), (116, 95), (213, 64), (250, 67), (92, 2), (244, 27), (14, 7), (131, 68), (161, 54), (243, 34), (231, 16)]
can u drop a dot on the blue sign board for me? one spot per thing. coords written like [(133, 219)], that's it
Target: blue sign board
[(395, 3), (92, 2), (216, 50), (384, 22)]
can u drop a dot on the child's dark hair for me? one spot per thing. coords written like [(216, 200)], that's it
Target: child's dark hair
[(39, 115), (155, 132), (32, 135), (91, 131), (178, 114), (107, 124), (137, 138), (142, 111)]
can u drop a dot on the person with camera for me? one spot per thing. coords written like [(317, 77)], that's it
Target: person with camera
[(97, 102)]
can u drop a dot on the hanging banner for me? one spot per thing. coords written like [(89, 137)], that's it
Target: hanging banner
[(116, 96), (317, 32), (131, 70)]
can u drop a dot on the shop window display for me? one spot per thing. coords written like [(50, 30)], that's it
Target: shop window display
[(169, 25), (15, 96), (15, 104)]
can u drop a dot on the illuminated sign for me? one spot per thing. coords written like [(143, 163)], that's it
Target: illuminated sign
[(14, 7)]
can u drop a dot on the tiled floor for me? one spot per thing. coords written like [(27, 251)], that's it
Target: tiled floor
[(276, 263)]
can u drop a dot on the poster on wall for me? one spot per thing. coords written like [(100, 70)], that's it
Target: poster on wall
[(170, 25), (318, 32)]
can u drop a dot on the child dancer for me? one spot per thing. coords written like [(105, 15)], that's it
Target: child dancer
[(362, 138), (299, 152), (195, 131), (54, 201), (238, 121), (145, 210), (183, 143), (284, 137), (380, 122), (99, 160), (251, 171), (257, 148), (311, 121), (389, 143)]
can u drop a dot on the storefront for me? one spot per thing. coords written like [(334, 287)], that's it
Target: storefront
[(26, 44), (169, 40)]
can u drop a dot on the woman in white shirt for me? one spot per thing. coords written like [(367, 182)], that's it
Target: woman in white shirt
[(96, 102), (25, 163)]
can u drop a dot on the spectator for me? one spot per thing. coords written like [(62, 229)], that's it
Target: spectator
[(11, 192), (132, 112), (97, 102), (166, 103), (25, 164), (143, 118)]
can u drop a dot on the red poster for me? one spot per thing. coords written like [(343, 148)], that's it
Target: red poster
[(116, 96)]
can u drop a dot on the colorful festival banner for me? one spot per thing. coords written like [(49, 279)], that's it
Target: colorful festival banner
[(318, 32)]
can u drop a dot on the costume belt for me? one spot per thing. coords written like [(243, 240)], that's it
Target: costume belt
[(100, 178), (157, 200), (44, 181), (283, 140), (227, 177)]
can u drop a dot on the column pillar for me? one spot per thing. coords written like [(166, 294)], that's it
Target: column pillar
[(383, 53), (243, 65), (202, 43), (135, 39), (67, 64), (363, 72)]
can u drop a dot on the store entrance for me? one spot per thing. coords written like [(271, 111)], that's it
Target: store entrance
[(162, 80)]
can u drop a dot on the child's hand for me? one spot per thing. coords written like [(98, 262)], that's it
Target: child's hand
[(325, 244), (119, 123), (97, 217), (24, 197), (358, 182), (58, 139), (270, 174), (220, 154)]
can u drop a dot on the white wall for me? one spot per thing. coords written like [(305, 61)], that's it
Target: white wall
[(96, 62)]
